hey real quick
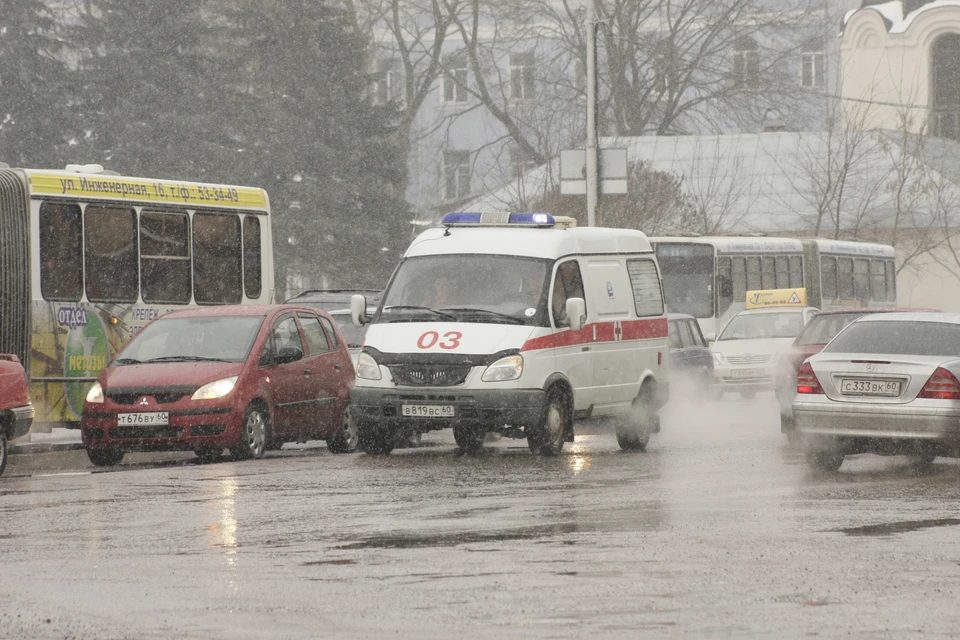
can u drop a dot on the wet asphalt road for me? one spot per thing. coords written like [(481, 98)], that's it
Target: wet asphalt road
[(718, 530)]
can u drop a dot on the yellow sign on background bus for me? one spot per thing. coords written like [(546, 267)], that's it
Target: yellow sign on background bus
[(137, 189), (776, 298)]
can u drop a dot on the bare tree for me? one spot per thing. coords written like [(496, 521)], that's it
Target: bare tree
[(719, 190)]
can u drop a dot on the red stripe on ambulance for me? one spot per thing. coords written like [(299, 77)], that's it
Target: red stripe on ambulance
[(605, 332)]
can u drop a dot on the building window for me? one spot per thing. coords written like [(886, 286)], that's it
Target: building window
[(813, 72), (456, 174), (388, 82), (522, 85), (746, 63), (455, 79), (520, 162)]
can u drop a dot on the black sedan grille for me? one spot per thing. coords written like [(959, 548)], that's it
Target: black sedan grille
[(429, 375)]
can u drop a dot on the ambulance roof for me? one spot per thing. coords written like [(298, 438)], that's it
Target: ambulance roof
[(527, 241)]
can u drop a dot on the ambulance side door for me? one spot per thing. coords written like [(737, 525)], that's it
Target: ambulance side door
[(573, 350), (616, 365)]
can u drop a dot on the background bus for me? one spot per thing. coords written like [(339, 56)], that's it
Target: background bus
[(708, 277), (87, 259)]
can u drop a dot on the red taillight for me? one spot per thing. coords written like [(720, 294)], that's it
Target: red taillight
[(942, 385), (807, 380)]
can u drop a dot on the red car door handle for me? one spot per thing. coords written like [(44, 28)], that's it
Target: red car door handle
[(337, 367), (307, 372)]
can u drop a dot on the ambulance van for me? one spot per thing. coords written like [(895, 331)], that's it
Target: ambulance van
[(519, 324)]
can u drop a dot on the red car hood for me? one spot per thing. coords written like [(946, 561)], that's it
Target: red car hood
[(13, 385), (162, 374)]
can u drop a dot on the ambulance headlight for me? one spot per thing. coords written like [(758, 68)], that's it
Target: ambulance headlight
[(95, 395), (504, 369), (367, 367), (718, 358)]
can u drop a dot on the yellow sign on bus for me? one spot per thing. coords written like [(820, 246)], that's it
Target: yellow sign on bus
[(137, 189), (776, 298)]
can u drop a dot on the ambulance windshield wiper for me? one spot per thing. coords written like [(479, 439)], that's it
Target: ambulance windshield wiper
[(504, 316), (407, 307)]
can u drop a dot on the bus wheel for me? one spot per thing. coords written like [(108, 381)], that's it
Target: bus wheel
[(3, 449), (469, 439), (633, 429), (376, 440), (209, 454), (253, 435), (105, 457), (346, 439), (547, 438)]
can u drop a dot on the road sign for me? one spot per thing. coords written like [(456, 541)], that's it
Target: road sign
[(573, 171)]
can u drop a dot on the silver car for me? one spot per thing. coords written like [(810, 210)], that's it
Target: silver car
[(887, 384)]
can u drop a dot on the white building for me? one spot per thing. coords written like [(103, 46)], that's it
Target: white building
[(899, 65)]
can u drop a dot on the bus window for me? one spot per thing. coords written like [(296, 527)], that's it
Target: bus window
[(891, 281), (861, 272), (828, 278), (724, 285), (767, 274), (61, 260), (216, 259), (739, 280), (845, 278), (796, 271), (689, 277), (878, 280), (164, 257), (753, 275), (783, 272), (252, 280), (110, 256)]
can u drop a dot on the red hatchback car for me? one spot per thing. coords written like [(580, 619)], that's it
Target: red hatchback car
[(246, 378), (811, 341), (16, 411)]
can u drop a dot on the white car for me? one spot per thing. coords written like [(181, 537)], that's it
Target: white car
[(744, 352)]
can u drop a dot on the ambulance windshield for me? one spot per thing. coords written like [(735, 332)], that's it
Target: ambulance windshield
[(468, 288)]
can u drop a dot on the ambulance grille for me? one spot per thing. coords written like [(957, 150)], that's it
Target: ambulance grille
[(429, 375)]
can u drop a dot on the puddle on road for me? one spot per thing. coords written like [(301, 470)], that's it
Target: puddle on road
[(452, 539), (892, 528)]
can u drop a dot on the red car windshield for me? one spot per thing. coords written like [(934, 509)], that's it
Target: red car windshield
[(213, 338), (824, 327)]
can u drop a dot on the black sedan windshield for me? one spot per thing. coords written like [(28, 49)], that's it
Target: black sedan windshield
[(218, 339)]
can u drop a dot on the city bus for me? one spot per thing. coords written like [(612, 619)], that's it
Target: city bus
[(88, 257), (708, 277)]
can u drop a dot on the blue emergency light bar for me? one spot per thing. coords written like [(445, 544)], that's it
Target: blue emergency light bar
[(497, 219)]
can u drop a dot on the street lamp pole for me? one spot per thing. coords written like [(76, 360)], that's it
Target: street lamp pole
[(590, 24)]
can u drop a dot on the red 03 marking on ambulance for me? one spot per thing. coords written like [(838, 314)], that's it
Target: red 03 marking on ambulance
[(449, 340)]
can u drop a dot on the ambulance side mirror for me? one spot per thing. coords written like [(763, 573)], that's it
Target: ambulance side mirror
[(576, 313), (358, 310)]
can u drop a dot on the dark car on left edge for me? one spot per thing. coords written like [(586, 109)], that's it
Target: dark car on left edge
[(245, 378), (691, 361), (16, 410)]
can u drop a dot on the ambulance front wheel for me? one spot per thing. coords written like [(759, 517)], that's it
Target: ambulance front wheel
[(633, 429), (547, 437), (376, 439)]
